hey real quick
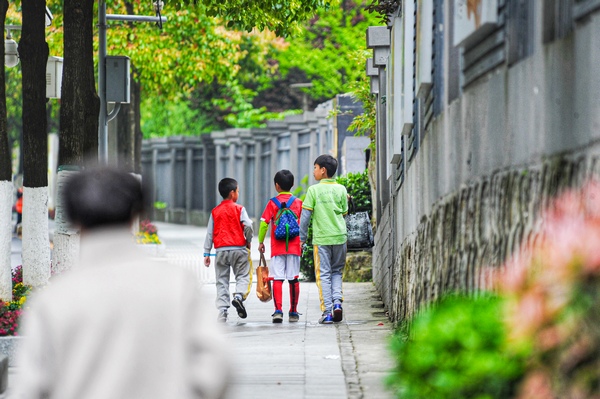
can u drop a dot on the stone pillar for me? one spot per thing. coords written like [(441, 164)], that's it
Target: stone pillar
[(260, 136), (378, 39), (189, 182), (209, 168), (220, 151)]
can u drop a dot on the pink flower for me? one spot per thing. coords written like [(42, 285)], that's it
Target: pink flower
[(537, 385)]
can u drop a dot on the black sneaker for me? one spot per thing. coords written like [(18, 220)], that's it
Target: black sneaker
[(278, 316), (239, 306), (338, 313)]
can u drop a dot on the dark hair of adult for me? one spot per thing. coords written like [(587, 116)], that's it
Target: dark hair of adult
[(102, 196), (328, 162), (226, 186), (285, 179)]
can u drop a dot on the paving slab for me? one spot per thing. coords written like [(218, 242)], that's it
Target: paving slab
[(293, 360)]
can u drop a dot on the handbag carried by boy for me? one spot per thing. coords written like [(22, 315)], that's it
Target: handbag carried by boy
[(360, 231), (263, 284)]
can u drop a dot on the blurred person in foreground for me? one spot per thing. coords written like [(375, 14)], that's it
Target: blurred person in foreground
[(119, 325)]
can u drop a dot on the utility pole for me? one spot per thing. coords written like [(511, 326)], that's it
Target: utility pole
[(104, 116)]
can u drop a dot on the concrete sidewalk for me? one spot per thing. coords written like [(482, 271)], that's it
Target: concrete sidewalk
[(307, 359), (298, 360), (292, 360)]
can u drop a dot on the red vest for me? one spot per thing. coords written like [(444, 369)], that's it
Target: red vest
[(19, 205), (228, 231)]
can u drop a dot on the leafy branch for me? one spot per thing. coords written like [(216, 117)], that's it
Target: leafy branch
[(384, 8)]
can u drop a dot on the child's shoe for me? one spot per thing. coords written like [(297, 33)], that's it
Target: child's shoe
[(222, 318), (278, 316), (294, 317), (326, 318), (239, 306), (338, 313)]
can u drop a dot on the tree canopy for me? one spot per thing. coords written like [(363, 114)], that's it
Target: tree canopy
[(221, 64), (280, 16)]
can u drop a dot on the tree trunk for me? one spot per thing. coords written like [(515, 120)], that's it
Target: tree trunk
[(80, 107), (33, 51), (6, 187)]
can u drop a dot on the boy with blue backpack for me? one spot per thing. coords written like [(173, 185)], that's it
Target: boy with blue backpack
[(284, 213)]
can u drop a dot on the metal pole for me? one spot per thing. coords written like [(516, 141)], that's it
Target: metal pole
[(134, 18), (104, 117), (102, 125)]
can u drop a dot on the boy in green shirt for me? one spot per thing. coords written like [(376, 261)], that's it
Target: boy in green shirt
[(327, 203)]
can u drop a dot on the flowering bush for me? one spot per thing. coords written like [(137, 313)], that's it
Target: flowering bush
[(552, 291), (545, 327), (148, 233), (148, 227), (10, 312)]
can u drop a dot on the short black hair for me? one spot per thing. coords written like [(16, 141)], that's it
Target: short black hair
[(328, 162), (285, 179), (226, 186), (102, 196)]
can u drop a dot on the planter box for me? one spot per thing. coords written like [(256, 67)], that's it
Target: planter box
[(156, 250), (160, 215), (9, 347)]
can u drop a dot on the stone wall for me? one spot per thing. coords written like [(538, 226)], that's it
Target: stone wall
[(467, 160), (184, 171), (359, 267), (479, 227), (383, 256)]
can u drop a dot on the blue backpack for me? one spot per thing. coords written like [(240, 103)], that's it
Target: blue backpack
[(286, 221)]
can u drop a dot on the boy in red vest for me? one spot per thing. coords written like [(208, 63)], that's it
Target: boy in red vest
[(230, 230), (285, 254), (19, 208)]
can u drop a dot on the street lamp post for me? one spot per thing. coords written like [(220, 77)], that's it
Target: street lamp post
[(105, 117)]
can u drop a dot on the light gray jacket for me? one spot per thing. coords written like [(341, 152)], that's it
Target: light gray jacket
[(121, 326)]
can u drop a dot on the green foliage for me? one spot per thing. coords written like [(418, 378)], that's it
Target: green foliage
[(160, 205), (364, 124), (160, 119), (169, 62), (307, 262), (384, 8), (457, 349), (307, 258), (321, 50), (300, 191), (14, 103), (359, 188), (239, 112), (279, 16)]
